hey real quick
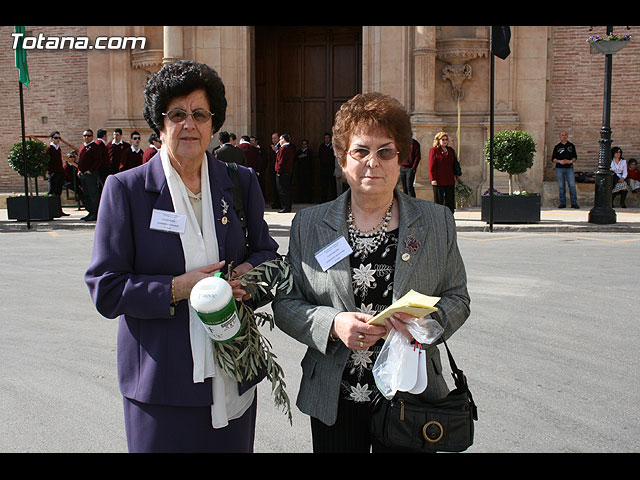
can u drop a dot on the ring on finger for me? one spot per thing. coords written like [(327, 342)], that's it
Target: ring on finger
[(361, 344), (361, 336)]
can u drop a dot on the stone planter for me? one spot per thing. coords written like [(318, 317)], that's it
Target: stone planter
[(608, 47), (512, 208), (40, 208)]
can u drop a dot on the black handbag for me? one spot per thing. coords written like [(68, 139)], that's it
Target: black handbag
[(457, 169), (411, 423)]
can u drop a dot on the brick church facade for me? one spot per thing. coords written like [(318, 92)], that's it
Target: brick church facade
[(294, 79)]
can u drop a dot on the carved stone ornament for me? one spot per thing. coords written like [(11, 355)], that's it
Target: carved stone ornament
[(457, 52), (149, 60), (456, 74)]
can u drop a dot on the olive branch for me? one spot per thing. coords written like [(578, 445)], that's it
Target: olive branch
[(250, 352)]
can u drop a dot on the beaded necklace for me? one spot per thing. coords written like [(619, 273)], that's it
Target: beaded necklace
[(367, 241)]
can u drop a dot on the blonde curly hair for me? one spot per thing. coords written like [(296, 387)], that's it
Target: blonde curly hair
[(439, 135)]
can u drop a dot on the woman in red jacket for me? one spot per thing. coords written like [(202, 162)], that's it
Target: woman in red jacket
[(441, 158)]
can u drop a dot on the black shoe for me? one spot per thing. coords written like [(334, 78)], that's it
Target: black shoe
[(62, 214), (575, 205), (90, 218), (284, 210), (562, 205)]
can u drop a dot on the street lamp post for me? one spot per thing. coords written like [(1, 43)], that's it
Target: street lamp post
[(602, 211)]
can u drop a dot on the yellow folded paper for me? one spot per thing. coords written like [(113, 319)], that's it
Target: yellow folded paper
[(413, 303)]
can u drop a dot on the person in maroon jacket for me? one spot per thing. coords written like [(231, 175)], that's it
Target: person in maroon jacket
[(409, 167), (272, 153), (105, 169), (154, 147), (71, 178), (115, 151), (326, 166), (284, 170), (90, 160), (54, 169), (264, 161), (252, 155), (441, 158), (304, 172), (132, 156)]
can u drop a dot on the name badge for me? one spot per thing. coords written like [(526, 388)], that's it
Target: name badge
[(334, 252), (168, 221)]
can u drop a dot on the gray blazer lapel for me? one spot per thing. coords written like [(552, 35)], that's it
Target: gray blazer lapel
[(332, 227), (412, 236)]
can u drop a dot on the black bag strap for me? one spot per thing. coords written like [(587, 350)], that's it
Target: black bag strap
[(238, 202), (457, 374), (460, 380)]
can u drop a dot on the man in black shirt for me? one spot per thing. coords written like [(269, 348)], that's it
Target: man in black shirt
[(564, 156)]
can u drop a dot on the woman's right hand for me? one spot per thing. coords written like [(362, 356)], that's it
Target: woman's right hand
[(185, 282), (354, 331)]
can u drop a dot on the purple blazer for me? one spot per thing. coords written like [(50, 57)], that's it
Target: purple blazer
[(131, 269)]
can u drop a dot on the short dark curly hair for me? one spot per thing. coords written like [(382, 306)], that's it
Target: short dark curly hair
[(179, 79), (372, 110)]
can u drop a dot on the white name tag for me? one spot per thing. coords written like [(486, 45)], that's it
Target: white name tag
[(168, 221), (334, 252)]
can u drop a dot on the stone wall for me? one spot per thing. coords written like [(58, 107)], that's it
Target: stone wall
[(576, 87), (57, 98), (550, 82)]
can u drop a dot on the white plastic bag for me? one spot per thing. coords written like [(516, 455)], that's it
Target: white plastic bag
[(401, 366)]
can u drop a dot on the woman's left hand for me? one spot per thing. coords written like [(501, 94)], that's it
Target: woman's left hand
[(239, 293)]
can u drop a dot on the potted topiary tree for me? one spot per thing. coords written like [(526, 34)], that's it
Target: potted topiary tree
[(513, 152), (41, 207)]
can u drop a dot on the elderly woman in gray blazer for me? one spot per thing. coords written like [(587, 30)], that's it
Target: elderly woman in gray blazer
[(397, 243)]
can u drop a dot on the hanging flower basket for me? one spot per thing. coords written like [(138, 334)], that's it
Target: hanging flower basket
[(609, 44)]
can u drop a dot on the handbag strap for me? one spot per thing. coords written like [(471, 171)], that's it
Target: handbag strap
[(457, 374), (460, 380), (238, 203)]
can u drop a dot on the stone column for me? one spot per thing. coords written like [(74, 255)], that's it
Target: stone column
[(424, 61), (173, 44), (424, 119)]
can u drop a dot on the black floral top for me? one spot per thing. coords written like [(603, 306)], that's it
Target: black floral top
[(372, 281)]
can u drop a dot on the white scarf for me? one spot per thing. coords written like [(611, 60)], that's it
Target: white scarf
[(200, 248)]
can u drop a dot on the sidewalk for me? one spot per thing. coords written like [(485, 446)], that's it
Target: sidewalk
[(467, 220)]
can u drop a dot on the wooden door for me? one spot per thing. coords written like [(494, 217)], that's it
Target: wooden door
[(303, 75)]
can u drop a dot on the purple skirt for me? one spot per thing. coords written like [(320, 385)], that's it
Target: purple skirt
[(176, 429)]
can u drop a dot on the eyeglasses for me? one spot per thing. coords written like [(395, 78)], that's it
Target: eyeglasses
[(362, 154), (87, 135), (135, 138), (56, 138), (178, 115)]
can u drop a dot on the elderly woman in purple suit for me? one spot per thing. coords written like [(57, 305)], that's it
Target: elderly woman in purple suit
[(161, 228)]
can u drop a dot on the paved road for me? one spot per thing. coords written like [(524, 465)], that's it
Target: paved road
[(550, 348)]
